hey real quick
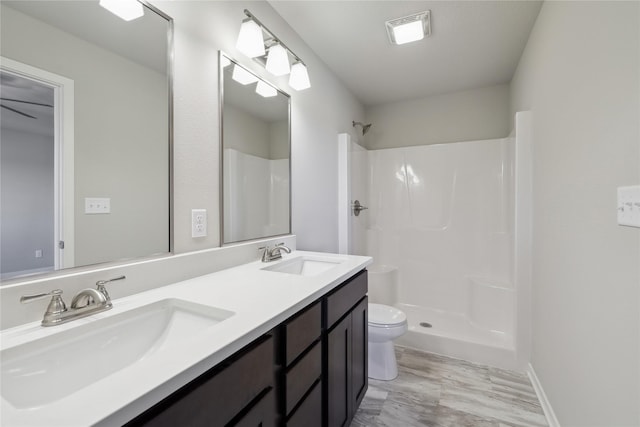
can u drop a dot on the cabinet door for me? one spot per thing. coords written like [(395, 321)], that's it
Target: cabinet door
[(359, 353), (338, 374)]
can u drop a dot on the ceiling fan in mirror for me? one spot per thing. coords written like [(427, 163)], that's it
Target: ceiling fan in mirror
[(24, 96)]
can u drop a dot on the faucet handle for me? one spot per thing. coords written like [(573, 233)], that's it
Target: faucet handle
[(30, 298), (56, 305), (100, 284), (265, 253)]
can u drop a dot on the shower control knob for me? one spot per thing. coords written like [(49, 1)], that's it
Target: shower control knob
[(357, 207)]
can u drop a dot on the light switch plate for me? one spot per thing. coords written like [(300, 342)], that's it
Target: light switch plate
[(629, 206), (97, 205)]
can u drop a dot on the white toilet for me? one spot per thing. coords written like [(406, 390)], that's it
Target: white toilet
[(385, 324)]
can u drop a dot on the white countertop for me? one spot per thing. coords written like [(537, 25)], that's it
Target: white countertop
[(260, 300)]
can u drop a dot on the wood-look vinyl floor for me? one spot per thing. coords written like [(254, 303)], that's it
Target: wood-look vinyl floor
[(438, 391)]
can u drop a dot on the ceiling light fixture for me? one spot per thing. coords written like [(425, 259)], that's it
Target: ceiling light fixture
[(409, 28), (125, 9), (265, 89), (276, 59)]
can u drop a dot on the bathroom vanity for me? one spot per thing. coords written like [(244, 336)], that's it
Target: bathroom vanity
[(289, 347)]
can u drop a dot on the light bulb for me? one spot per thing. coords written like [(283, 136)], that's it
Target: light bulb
[(277, 61), (299, 78), (250, 40), (125, 9)]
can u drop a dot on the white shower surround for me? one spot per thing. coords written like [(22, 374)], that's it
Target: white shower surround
[(256, 196), (443, 215), (450, 232)]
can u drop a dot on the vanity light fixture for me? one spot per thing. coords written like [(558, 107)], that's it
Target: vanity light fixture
[(271, 52), (277, 61), (409, 28), (299, 78), (265, 89), (250, 40), (125, 9), (242, 76)]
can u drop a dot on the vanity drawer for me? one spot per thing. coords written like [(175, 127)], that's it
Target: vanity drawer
[(217, 396), (340, 301), (302, 375), (309, 414), (301, 331), (262, 414)]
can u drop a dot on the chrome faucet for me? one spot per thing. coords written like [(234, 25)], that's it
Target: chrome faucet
[(273, 253), (85, 303)]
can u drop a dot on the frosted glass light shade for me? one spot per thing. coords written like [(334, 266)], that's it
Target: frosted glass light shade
[(265, 90), (125, 9), (299, 78), (409, 32), (250, 40), (409, 28), (277, 61), (242, 76)]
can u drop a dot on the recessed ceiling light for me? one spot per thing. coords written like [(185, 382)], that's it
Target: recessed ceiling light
[(409, 28)]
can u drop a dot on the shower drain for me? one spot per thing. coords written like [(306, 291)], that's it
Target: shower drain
[(426, 325)]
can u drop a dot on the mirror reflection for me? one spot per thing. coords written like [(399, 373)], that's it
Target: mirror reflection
[(255, 155), (85, 135)]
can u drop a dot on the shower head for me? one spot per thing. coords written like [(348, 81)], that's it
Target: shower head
[(365, 128)]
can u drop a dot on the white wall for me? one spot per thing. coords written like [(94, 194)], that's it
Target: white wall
[(580, 76), (469, 115), (318, 114)]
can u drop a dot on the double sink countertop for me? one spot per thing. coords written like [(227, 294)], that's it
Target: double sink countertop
[(106, 384)]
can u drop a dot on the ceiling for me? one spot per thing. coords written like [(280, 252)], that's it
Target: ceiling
[(473, 44), (143, 40)]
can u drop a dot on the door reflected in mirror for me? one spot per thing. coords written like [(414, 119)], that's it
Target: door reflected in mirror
[(85, 136), (256, 154)]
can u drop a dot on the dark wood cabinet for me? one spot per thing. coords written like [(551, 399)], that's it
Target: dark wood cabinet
[(346, 351), (223, 395), (309, 371)]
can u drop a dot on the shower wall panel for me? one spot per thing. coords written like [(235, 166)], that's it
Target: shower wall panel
[(443, 214)]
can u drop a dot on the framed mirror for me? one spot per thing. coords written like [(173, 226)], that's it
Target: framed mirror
[(256, 155), (86, 135)]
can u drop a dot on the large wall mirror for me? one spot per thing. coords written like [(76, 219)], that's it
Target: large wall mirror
[(85, 135), (256, 155)]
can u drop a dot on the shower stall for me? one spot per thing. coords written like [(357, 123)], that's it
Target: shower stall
[(446, 225)]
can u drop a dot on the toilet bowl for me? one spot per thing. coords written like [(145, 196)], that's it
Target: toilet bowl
[(385, 324)]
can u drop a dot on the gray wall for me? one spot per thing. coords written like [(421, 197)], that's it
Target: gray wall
[(26, 206), (452, 117), (580, 76)]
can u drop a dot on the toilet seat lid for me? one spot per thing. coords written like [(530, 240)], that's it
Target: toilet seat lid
[(380, 314)]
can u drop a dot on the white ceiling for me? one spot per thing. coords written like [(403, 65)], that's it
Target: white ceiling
[(473, 44)]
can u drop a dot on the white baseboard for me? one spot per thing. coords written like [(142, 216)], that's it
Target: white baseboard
[(542, 397)]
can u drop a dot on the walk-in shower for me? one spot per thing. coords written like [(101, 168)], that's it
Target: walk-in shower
[(442, 229)]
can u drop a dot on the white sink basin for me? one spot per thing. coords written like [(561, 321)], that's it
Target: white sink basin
[(48, 369), (304, 265)]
